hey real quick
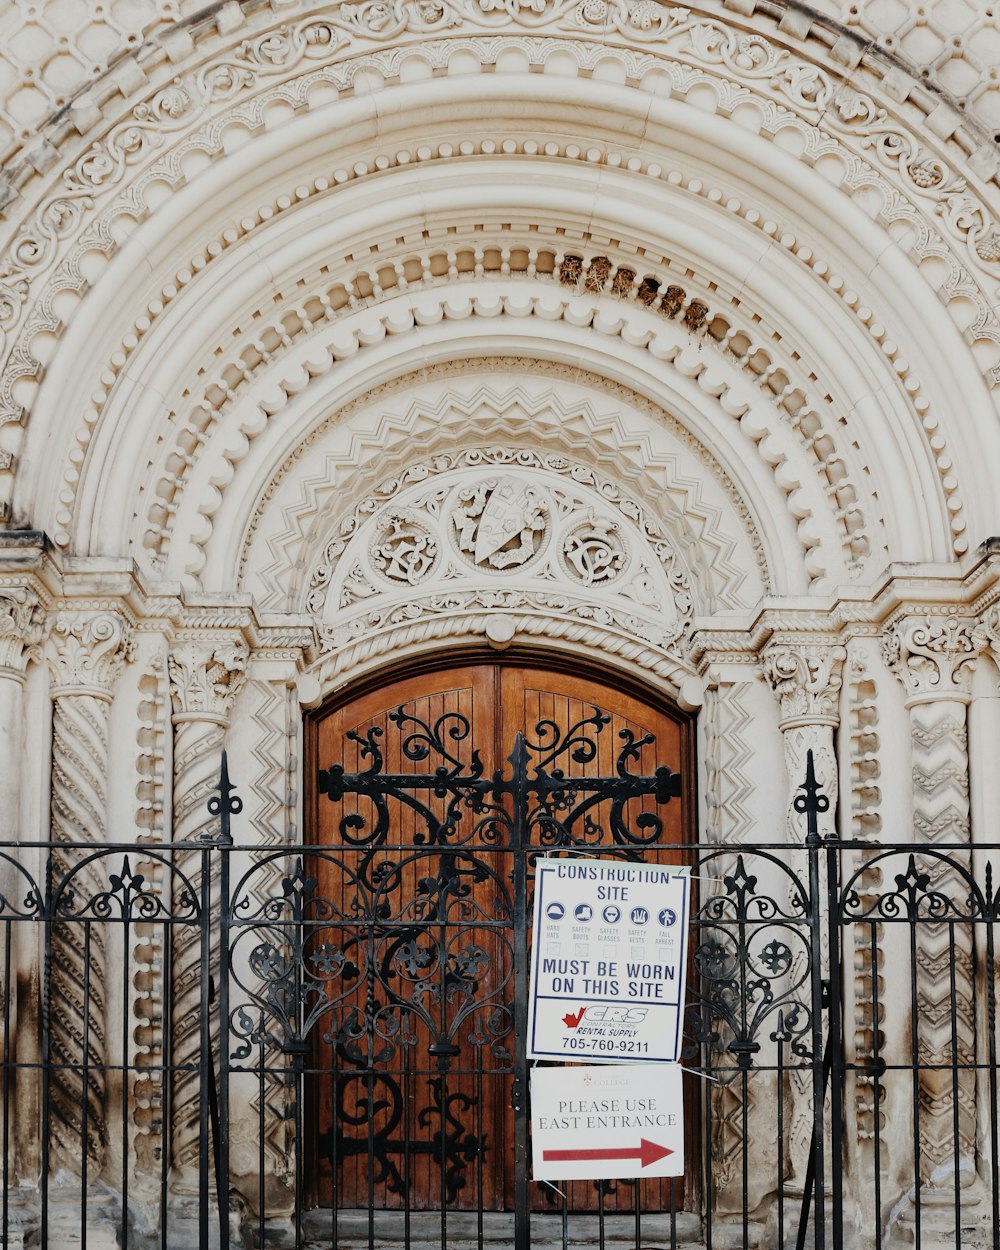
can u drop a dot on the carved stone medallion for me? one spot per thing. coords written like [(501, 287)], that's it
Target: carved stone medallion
[(500, 522), (403, 550), (594, 551)]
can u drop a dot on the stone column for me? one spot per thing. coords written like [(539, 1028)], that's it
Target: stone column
[(88, 651), (933, 656), (21, 630), (204, 678), (806, 677)]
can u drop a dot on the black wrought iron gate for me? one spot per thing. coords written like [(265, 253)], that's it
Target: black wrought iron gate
[(842, 1032)]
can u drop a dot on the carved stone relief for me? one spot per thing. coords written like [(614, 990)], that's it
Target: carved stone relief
[(464, 534)]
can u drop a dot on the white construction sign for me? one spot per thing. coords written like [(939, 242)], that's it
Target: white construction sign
[(608, 960), (607, 1122)]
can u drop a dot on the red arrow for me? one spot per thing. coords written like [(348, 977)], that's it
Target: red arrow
[(648, 1151)]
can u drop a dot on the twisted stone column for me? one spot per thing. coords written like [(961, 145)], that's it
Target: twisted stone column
[(21, 630), (204, 679), (806, 677), (934, 657), (88, 653)]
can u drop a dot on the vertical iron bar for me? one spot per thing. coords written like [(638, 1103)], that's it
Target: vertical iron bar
[(126, 1099), (522, 1214), (6, 1084), (205, 1030), (222, 1145), (744, 1133), (780, 1100), (835, 1047), (46, 1050), (225, 806), (955, 1119), (407, 1160), (876, 1085), (812, 803), (85, 1108), (915, 1079), (480, 1137), (993, 1111), (261, 1140), (166, 1069)]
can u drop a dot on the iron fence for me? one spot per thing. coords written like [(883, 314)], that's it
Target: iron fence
[(299, 1045)]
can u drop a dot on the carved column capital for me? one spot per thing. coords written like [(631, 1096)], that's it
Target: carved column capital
[(205, 678), (806, 677), (22, 628), (88, 652), (934, 656), (989, 630)]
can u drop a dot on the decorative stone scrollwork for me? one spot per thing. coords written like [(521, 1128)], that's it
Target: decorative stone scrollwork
[(403, 550), (594, 552), (934, 656), (807, 681), (450, 539), (204, 681), (22, 627), (89, 652)]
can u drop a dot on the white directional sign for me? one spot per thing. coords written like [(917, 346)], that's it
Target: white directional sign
[(611, 1121), (608, 960)]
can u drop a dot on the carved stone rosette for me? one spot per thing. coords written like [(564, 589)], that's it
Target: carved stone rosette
[(934, 657), (204, 680), (88, 652)]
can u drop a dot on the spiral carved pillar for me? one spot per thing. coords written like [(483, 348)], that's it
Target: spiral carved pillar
[(21, 630), (934, 657), (88, 652), (806, 679), (204, 679)]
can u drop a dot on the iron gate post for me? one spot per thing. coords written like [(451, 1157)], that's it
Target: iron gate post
[(810, 804), (206, 1042), (519, 1092), (835, 1043)]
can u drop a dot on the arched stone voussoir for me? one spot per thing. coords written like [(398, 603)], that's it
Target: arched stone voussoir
[(742, 435), (820, 216), (495, 416)]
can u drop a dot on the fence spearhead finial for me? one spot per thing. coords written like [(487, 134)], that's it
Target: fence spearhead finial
[(227, 803), (813, 802)]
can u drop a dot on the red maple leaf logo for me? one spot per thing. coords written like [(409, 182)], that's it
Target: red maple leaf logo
[(571, 1021)]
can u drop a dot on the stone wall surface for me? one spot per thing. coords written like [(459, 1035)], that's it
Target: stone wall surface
[(337, 336)]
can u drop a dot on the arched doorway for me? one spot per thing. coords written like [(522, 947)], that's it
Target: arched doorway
[(427, 865)]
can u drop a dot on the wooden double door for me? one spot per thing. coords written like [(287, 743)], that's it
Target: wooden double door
[(425, 844)]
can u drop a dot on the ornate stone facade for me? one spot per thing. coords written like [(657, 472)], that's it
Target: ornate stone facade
[(336, 336)]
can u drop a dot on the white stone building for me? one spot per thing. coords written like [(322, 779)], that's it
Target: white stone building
[(699, 306)]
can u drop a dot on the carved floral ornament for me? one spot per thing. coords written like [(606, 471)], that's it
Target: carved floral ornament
[(88, 652), (806, 679), (22, 628), (205, 678), (449, 535), (934, 656)]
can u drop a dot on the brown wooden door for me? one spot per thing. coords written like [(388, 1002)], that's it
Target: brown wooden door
[(410, 1103)]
